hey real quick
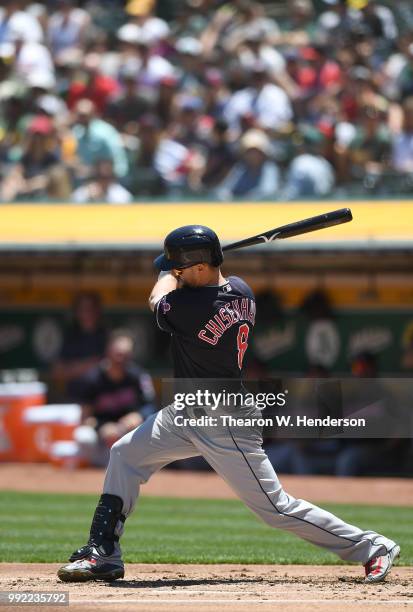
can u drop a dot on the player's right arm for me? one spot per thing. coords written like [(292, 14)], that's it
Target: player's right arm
[(166, 283)]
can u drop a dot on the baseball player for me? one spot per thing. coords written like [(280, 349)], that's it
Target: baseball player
[(210, 319)]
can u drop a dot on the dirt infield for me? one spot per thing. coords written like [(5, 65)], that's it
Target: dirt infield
[(172, 483), (174, 588)]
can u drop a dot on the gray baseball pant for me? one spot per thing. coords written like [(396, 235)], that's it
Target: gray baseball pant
[(236, 454)]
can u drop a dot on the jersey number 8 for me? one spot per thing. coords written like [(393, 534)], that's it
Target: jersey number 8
[(242, 342)]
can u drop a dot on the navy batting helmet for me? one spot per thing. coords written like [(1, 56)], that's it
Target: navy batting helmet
[(189, 245)]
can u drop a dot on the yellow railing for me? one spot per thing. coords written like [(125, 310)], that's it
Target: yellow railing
[(148, 223)]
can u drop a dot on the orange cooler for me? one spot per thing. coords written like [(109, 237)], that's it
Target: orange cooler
[(45, 425), (15, 398)]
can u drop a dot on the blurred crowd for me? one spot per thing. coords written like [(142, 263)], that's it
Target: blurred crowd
[(116, 101)]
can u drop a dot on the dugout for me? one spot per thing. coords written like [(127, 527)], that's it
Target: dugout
[(362, 272)]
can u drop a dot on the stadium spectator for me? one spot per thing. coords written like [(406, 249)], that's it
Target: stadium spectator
[(103, 187), (164, 104), (51, 106), (255, 175), (262, 100), (152, 27), (336, 22), (96, 140), (177, 159), (378, 18), (252, 48), (92, 85), (152, 67), (125, 107), (186, 126), (145, 177), (39, 84), (402, 150), (33, 58), (322, 72), (116, 397), (67, 26), (368, 153), (220, 156), (216, 93), (401, 71), (190, 61), (83, 344), (38, 173), (18, 24), (309, 174)]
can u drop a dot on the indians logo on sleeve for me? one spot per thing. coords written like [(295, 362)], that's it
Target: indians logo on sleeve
[(165, 306)]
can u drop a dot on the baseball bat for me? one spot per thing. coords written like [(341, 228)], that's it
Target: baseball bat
[(336, 217)]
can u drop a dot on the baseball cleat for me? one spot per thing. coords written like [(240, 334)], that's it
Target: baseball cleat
[(378, 567), (84, 570)]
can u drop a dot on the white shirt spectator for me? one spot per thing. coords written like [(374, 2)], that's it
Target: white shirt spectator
[(115, 194), (20, 26), (171, 160), (309, 175), (34, 58), (390, 73), (271, 106), (149, 75)]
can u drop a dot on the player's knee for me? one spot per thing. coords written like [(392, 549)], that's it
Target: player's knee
[(124, 443), (118, 450), (125, 450)]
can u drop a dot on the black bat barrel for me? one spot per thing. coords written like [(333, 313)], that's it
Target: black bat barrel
[(336, 217)]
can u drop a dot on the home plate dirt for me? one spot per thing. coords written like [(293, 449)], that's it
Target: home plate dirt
[(219, 587)]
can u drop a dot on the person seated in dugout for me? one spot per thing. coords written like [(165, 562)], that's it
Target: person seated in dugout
[(117, 396), (374, 400), (83, 345)]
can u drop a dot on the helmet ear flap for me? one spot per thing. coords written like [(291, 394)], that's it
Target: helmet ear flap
[(217, 256)]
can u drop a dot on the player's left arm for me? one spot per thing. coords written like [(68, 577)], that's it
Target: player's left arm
[(167, 282)]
